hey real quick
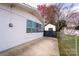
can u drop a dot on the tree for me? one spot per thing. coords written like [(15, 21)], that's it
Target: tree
[(60, 24), (56, 14), (50, 13)]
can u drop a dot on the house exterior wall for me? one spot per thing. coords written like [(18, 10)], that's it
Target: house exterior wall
[(13, 36)]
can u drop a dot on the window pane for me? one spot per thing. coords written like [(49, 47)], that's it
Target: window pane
[(33, 25), (39, 27), (29, 23), (33, 30), (36, 27), (29, 30)]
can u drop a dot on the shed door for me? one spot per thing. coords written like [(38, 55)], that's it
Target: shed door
[(50, 29)]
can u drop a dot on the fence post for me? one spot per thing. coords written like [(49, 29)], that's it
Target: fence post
[(76, 45)]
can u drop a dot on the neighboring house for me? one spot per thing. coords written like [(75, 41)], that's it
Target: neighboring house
[(72, 22), (19, 23)]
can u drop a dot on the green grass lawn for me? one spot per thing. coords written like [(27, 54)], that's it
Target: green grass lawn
[(68, 45)]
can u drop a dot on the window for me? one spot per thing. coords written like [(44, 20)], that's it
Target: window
[(39, 27), (33, 27), (29, 23), (29, 26)]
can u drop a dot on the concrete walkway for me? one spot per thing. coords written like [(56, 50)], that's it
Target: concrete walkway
[(45, 46)]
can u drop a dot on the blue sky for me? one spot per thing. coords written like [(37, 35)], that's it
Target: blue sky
[(75, 5)]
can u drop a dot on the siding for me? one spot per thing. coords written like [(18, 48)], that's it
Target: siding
[(11, 37)]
